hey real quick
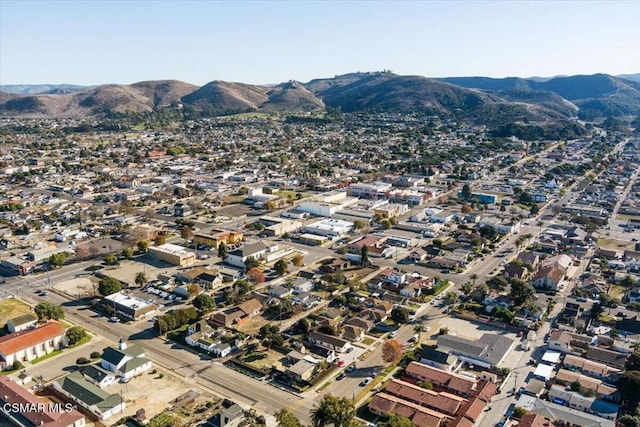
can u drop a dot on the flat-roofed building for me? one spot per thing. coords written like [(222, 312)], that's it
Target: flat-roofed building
[(129, 306), (173, 254)]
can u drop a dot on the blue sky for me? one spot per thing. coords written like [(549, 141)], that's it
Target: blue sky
[(94, 42)]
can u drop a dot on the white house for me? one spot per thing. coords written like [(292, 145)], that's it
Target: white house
[(126, 362), (22, 322), (99, 376)]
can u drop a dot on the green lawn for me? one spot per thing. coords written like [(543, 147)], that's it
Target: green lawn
[(45, 357), (82, 341)]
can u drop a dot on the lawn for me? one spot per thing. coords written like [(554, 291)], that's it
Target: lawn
[(264, 359), (46, 356), (367, 341), (10, 308), (82, 341), (617, 292)]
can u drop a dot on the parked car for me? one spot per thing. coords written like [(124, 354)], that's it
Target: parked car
[(366, 381), (393, 334)]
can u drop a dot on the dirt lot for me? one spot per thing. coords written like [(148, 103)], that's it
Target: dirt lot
[(78, 287), (10, 308), (234, 211), (265, 359), (150, 392), (616, 245), (98, 248)]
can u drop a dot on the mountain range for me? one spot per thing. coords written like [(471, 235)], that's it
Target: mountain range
[(490, 101)]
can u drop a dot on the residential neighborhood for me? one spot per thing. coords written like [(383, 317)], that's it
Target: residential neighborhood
[(237, 270)]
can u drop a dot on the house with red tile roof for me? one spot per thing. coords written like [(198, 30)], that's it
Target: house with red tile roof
[(40, 413), (29, 344)]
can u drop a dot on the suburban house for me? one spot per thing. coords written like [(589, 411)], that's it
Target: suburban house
[(20, 323), (28, 344), (205, 277), (438, 359), (98, 375), (203, 336), (548, 277), (12, 393), (125, 361), (302, 370), (238, 314), (329, 342), (88, 395), (452, 382), (231, 416), (588, 367)]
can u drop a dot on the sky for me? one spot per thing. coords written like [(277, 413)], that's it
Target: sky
[(96, 42)]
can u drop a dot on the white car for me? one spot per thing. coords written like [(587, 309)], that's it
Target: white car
[(366, 381), (393, 334)]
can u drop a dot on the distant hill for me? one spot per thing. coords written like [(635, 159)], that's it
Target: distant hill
[(632, 77), (598, 94), (42, 89), (493, 102)]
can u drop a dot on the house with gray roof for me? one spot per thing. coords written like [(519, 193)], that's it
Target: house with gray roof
[(98, 375), (488, 351), (126, 362), (88, 395), (22, 322)]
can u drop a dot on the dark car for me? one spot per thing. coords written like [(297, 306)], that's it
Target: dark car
[(341, 376)]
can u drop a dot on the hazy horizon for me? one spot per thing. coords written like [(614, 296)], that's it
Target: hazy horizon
[(97, 43)]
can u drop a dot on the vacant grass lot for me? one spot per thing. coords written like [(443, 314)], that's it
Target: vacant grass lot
[(10, 308)]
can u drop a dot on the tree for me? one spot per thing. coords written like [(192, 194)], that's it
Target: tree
[(160, 240), (109, 286), (534, 209), (364, 255), (251, 262), (425, 384), (75, 334), (467, 289), (628, 386), (400, 315), (111, 259), (140, 279), (338, 411), (143, 246), (204, 303), (419, 329), (287, 419), (521, 292), (633, 362), (385, 224), (298, 260), (359, 224), (466, 192), (186, 233), (45, 311), (223, 251), (473, 278), (397, 421), (127, 253), (450, 298), (193, 289), (280, 267), (519, 412), (256, 275), (58, 260), (466, 209)]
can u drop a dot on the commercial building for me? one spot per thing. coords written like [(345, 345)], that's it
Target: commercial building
[(173, 254), (215, 237), (331, 228), (128, 306), (488, 351)]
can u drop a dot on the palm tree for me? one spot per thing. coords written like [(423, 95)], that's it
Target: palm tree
[(473, 278), (321, 413), (450, 298), (419, 329), (140, 279)]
